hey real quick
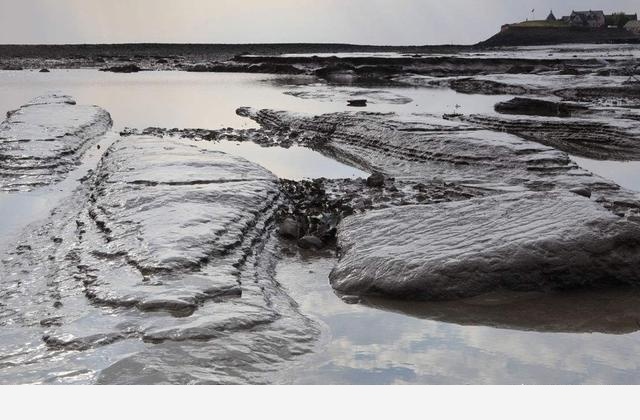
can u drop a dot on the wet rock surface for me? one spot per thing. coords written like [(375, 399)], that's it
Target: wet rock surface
[(42, 140), (162, 272), (429, 252), (530, 241), (127, 68), (431, 148), (315, 208), (595, 138)]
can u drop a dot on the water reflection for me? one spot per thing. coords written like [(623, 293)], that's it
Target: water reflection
[(209, 100), (501, 339), (610, 310), (293, 163), (160, 99), (625, 174)]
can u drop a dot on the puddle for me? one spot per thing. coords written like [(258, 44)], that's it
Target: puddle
[(295, 163), (625, 174), (524, 341), (401, 100)]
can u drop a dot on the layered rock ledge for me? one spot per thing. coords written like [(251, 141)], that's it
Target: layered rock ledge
[(41, 141), (162, 271), (428, 147)]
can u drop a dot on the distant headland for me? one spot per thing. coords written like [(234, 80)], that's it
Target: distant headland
[(588, 26)]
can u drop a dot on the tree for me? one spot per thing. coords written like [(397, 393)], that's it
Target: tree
[(619, 19)]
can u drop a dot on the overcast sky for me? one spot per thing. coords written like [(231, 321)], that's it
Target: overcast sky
[(243, 21)]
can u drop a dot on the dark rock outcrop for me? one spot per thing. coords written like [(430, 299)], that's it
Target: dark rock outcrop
[(127, 68), (530, 241), (431, 148), (540, 107)]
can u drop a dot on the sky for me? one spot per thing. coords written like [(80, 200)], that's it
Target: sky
[(381, 22)]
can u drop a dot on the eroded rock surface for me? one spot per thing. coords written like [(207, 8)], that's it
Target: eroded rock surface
[(520, 241), (564, 227), (595, 138), (164, 275), (42, 140), (428, 148)]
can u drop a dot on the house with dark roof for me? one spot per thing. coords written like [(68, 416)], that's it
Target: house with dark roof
[(587, 19), (551, 17)]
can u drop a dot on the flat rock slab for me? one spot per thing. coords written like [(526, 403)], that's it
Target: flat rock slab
[(519, 241), (42, 140)]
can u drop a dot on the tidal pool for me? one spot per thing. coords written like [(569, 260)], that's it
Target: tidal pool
[(294, 163), (171, 99), (625, 174)]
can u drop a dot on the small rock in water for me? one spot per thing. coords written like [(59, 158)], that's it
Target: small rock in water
[(357, 102), (44, 70), (310, 242), (351, 299), (53, 321), (376, 180), (583, 191), (289, 228)]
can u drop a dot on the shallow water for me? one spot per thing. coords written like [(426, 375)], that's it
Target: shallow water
[(209, 100), (527, 339), (295, 163), (19, 209), (625, 174)]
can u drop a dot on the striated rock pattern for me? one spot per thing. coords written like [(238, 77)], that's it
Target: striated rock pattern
[(433, 148), (41, 141), (519, 241), (603, 139), (166, 276)]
